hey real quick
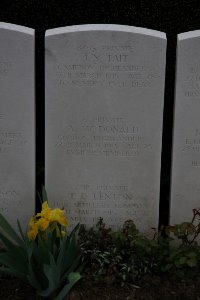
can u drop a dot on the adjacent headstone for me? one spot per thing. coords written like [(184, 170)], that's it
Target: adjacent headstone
[(185, 182), (17, 132), (104, 109)]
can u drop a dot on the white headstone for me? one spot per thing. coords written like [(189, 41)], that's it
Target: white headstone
[(17, 132), (185, 184), (104, 108)]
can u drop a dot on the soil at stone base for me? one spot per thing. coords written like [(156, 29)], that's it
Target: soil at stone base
[(151, 288)]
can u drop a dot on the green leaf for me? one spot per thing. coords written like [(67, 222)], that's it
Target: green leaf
[(15, 257), (12, 247), (52, 243), (44, 194), (177, 263), (73, 267), (43, 252), (30, 248), (73, 278), (14, 262), (7, 230), (167, 267), (72, 255), (14, 273), (52, 272), (36, 276), (63, 251), (39, 197), (192, 262), (33, 280), (182, 260), (192, 255), (20, 230)]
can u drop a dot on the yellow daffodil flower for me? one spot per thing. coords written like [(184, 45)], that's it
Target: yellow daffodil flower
[(42, 224), (46, 210), (32, 233), (47, 218), (58, 215)]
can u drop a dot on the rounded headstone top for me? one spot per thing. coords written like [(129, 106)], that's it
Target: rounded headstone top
[(108, 27), (188, 35), (19, 28)]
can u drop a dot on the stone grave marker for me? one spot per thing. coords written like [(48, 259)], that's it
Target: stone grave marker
[(185, 182), (17, 121), (104, 110)]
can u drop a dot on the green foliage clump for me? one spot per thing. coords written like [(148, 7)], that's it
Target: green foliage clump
[(184, 259), (125, 256)]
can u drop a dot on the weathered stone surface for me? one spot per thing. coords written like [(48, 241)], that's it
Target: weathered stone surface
[(104, 108), (17, 132), (185, 184)]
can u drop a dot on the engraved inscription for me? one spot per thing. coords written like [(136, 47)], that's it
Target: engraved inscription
[(192, 83), (104, 66), (103, 136), (5, 66), (128, 47), (86, 204), (113, 76), (196, 163), (191, 145), (7, 197), (12, 142)]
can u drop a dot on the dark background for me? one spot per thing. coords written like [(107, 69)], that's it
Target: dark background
[(169, 16)]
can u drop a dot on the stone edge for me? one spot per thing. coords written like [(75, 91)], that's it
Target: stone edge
[(19, 28), (106, 27), (188, 35)]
